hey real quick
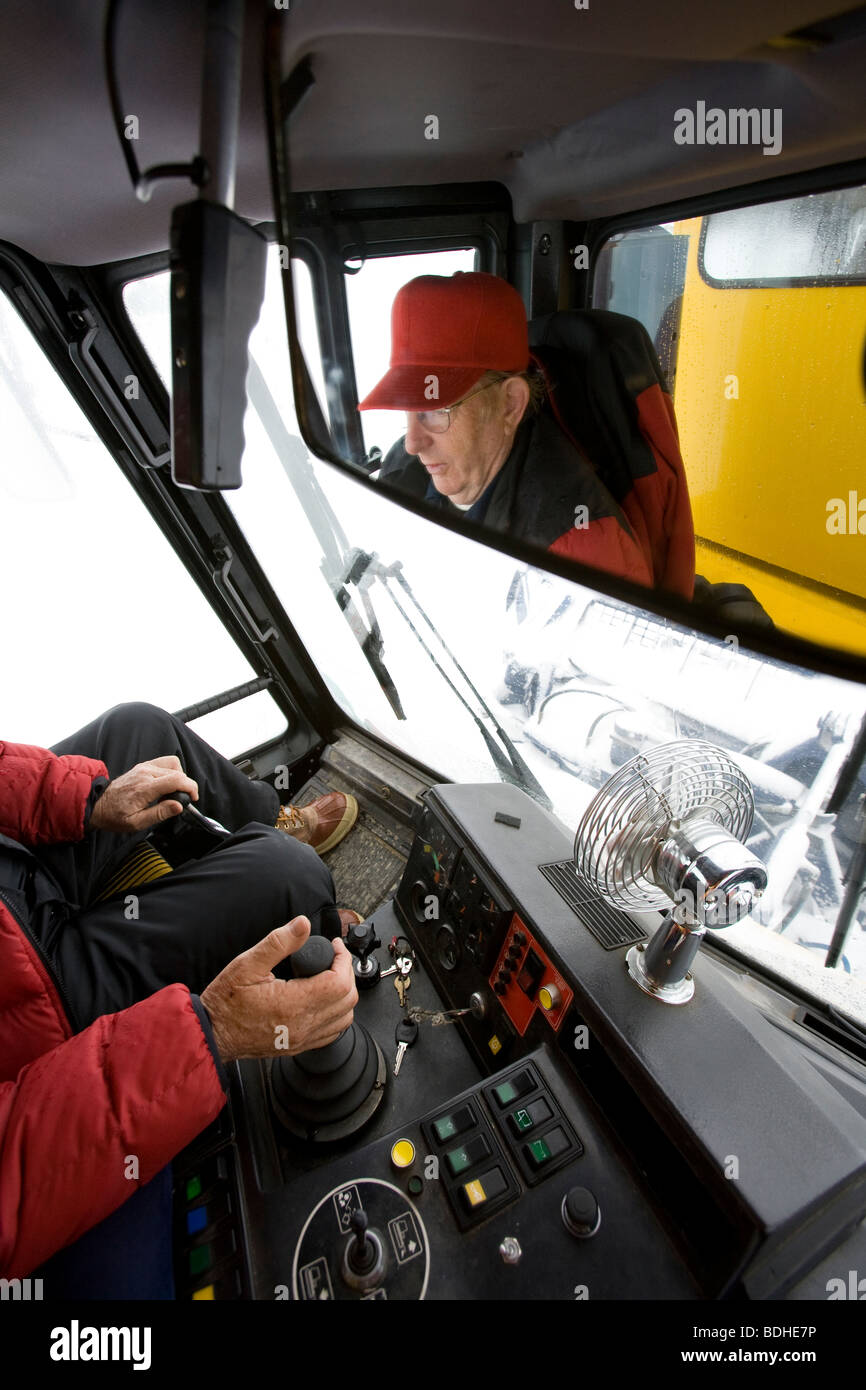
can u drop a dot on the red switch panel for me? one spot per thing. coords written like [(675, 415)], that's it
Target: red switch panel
[(525, 981)]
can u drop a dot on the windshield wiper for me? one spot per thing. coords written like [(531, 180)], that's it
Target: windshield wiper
[(856, 875), (293, 456), (508, 761), (343, 565)]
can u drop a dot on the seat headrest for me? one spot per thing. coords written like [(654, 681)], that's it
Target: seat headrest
[(603, 342)]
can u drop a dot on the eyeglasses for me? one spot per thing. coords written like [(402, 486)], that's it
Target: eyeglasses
[(438, 421)]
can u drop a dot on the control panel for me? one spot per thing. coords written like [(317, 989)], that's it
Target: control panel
[(504, 1192), (547, 1133), (480, 950), (526, 981), (481, 1170)]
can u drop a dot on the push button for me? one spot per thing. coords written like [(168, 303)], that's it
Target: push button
[(580, 1212), (226, 1286), (199, 1259), (403, 1153), (535, 1113), (467, 1155), (482, 1190), (196, 1220), (202, 1258), (447, 1126), (541, 1151), (512, 1089), (549, 997)]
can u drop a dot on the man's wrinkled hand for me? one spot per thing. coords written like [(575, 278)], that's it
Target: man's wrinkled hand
[(251, 1010), (127, 805)]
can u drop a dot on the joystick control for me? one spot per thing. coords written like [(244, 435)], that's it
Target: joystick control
[(361, 940), (363, 1257), (331, 1092), (188, 836)]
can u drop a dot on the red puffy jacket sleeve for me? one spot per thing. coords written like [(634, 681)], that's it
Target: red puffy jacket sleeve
[(140, 1084), (135, 1085), (42, 796)]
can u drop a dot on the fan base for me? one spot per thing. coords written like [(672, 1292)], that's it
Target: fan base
[(676, 992)]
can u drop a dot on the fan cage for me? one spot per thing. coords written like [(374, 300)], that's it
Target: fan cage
[(633, 813)]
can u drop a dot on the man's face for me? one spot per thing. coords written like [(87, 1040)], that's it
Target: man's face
[(463, 460)]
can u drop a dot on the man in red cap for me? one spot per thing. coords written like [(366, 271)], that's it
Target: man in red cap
[(476, 440)]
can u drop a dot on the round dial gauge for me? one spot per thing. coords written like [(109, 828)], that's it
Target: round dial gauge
[(447, 947)]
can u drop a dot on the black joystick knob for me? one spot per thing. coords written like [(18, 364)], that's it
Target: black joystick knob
[(363, 1257), (330, 1092), (362, 1252), (190, 835), (312, 958), (361, 940), (580, 1212)]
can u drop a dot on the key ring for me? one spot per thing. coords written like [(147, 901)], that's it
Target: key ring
[(395, 948)]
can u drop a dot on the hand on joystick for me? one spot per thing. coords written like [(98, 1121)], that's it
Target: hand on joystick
[(248, 1005), (132, 801)]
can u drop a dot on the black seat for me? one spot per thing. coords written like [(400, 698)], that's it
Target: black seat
[(608, 393)]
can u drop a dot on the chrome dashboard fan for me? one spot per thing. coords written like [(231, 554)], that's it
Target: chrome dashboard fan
[(667, 830)]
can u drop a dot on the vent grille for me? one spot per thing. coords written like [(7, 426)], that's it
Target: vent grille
[(610, 927)]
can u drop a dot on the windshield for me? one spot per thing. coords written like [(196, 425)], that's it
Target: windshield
[(484, 669), (84, 630)]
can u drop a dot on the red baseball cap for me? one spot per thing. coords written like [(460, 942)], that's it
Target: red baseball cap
[(446, 332)]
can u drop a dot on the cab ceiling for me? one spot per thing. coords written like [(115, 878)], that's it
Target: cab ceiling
[(572, 110)]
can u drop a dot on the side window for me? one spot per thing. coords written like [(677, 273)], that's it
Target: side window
[(643, 274), (97, 607), (370, 293), (757, 316)]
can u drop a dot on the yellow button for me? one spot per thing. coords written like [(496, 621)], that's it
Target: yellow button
[(206, 1292), (494, 1044), (549, 997), (403, 1153), (475, 1193)]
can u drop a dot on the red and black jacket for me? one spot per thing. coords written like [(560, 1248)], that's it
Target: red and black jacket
[(535, 497), (144, 1081), (608, 394), (605, 442)]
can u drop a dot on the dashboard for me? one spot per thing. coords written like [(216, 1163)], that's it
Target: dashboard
[(567, 1137)]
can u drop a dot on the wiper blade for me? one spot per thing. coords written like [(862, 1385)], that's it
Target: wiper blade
[(338, 559), (508, 761), (369, 639), (342, 565), (854, 881)]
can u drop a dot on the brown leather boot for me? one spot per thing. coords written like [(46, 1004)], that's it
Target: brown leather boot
[(322, 824), (348, 918)]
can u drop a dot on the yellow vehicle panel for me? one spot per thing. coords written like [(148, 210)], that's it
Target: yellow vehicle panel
[(769, 400)]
